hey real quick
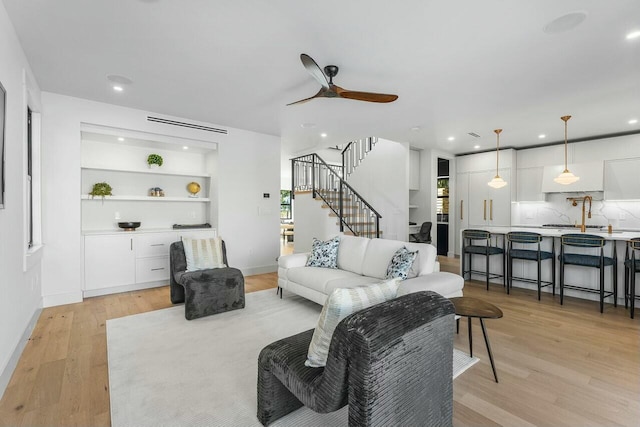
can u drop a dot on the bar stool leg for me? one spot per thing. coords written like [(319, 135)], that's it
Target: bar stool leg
[(561, 282), (539, 274), (486, 341), (470, 338), (601, 289), (626, 286), (487, 270), (553, 273), (632, 290), (615, 283)]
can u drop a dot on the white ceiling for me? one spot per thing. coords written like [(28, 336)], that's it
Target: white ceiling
[(457, 66)]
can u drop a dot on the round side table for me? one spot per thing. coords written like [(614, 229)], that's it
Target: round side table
[(473, 307)]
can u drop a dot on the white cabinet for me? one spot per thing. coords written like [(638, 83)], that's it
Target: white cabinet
[(530, 185), (108, 261), (489, 206), (462, 211), (619, 181), (414, 170)]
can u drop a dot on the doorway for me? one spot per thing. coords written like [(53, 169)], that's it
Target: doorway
[(442, 207)]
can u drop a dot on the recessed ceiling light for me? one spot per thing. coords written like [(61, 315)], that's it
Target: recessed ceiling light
[(415, 128), (185, 147), (565, 22), (118, 83), (633, 35), (120, 139), (308, 125), (476, 146), (633, 121), (451, 138), (324, 135), (542, 136), (118, 88)]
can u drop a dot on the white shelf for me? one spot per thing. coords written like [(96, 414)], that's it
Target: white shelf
[(146, 198), (149, 171)]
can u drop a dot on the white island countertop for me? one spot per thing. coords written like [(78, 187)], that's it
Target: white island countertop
[(557, 232)]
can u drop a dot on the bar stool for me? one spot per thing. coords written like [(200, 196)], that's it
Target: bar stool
[(470, 246), (524, 240), (586, 260), (631, 267)]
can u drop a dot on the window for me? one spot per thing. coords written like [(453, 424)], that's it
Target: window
[(285, 204)]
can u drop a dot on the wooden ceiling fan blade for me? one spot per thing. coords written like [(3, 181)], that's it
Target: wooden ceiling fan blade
[(313, 69), (322, 93), (367, 96)]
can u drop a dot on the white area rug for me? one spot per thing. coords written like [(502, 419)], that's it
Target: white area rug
[(167, 371)]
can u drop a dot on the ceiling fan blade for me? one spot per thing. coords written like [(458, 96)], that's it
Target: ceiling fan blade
[(367, 96), (322, 93), (314, 70)]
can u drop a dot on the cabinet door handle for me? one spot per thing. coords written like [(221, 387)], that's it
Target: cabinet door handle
[(491, 209), (484, 207), (461, 211), (156, 269), (131, 243), (158, 244)]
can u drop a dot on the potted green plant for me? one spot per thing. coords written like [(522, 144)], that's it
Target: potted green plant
[(154, 159), (101, 189)]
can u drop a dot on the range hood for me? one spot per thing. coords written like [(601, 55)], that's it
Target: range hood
[(591, 178)]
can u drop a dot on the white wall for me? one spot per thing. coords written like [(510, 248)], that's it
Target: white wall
[(312, 221), (20, 293), (248, 165), (382, 179)]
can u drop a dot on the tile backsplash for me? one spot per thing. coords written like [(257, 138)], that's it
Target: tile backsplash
[(558, 210)]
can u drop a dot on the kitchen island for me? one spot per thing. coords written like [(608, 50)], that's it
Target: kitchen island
[(579, 276)]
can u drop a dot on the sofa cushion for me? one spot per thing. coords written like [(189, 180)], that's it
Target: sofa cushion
[(349, 282), (378, 255), (324, 254), (316, 278), (425, 262), (340, 304), (401, 263), (351, 253)]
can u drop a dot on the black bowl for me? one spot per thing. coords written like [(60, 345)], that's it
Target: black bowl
[(129, 226)]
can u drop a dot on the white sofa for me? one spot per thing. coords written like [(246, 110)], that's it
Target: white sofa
[(363, 261)]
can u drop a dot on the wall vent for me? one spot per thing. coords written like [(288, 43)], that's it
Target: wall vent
[(473, 134), (186, 125)]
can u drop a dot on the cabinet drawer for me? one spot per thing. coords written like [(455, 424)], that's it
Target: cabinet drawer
[(154, 245), (152, 269)]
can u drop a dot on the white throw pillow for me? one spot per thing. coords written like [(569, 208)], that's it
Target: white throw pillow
[(341, 303), (202, 254)]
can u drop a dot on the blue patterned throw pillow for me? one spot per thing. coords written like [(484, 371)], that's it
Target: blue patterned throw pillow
[(401, 263), (324, 254)]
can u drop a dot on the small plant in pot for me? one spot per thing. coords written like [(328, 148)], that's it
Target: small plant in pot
[(154, 159), (101, 189)]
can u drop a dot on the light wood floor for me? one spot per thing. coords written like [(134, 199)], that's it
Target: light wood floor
[(557, 365)]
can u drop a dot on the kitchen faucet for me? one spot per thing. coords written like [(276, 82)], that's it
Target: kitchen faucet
[(574, 202)]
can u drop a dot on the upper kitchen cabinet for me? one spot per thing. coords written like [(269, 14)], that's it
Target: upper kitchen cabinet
[(530, 185), (156, 196), (620, 179)]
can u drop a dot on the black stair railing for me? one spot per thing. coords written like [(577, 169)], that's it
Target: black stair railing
[(311, 173), (354, 153)]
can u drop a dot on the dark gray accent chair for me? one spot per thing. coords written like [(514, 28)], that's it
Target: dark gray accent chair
[(391, 363), (204, 292)]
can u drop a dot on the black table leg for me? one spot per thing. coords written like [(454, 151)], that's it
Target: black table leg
[(471, 339), (486, 341)]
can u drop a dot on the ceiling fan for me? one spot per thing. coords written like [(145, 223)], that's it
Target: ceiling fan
[(329, 90)]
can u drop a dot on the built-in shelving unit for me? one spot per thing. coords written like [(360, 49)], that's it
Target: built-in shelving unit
[(147, 198), (150, 171)]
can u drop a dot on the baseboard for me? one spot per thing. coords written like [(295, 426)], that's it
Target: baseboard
[(61, 299), (5, 376), (259, 270), (124, 288)]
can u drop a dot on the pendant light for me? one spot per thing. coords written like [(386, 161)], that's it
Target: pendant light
[(566, 177), (497, 182)]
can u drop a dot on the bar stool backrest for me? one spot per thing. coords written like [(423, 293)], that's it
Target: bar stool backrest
[(633, 248), (476, 234), (583, 240), (524, 237)]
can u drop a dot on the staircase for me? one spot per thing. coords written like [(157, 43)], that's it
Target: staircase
[(354, 215)]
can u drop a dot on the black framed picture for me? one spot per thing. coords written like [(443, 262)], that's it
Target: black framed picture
[(3, 117)]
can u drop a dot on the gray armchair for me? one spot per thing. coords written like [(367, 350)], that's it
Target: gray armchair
[(204, 292), (424, 235), (391, 363)]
